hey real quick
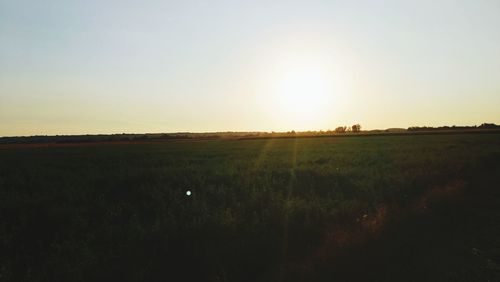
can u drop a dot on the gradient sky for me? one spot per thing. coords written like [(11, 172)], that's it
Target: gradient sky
[(73, 67)]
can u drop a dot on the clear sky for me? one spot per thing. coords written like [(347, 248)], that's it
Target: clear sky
[(73, 67)]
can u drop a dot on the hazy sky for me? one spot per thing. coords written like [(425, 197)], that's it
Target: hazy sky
[(71, 67)]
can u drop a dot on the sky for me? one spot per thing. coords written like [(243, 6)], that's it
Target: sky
[(91, 67)]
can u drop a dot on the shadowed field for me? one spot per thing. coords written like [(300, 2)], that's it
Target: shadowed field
[(385, 208)]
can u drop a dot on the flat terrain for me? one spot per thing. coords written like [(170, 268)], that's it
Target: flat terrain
[(378, 208)]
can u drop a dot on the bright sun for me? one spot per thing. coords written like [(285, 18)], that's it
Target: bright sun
[(302, 90), (302, 95)]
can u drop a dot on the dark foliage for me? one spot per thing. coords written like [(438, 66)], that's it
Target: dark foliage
[(259, 209)]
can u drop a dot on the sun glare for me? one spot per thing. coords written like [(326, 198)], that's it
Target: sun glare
[(302, 95), (303, 90)]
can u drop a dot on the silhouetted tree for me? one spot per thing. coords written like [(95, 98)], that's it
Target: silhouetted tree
[(341, 129), (356, 128), (489, 125)]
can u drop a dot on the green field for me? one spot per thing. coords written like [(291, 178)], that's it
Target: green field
[(260, 210)]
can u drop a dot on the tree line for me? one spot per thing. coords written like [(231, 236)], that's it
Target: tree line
[(454, 127), (343, 129)]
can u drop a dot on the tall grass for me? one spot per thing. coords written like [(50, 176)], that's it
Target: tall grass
[(120, 212)]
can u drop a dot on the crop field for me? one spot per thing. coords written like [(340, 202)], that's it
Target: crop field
[(289, 209)]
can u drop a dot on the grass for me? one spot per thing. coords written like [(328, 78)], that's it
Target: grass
[(258, 208)]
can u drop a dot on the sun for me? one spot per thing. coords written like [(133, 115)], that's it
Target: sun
[(302, 95), (302, 90)]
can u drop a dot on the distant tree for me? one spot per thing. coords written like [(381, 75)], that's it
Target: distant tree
[(356, 128), (341, 129), (489, 125)]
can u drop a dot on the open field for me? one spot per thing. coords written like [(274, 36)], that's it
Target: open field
[(289, 209)]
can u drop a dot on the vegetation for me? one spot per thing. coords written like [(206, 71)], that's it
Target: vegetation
[(259, 209), (454, 127), (154, 137)]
